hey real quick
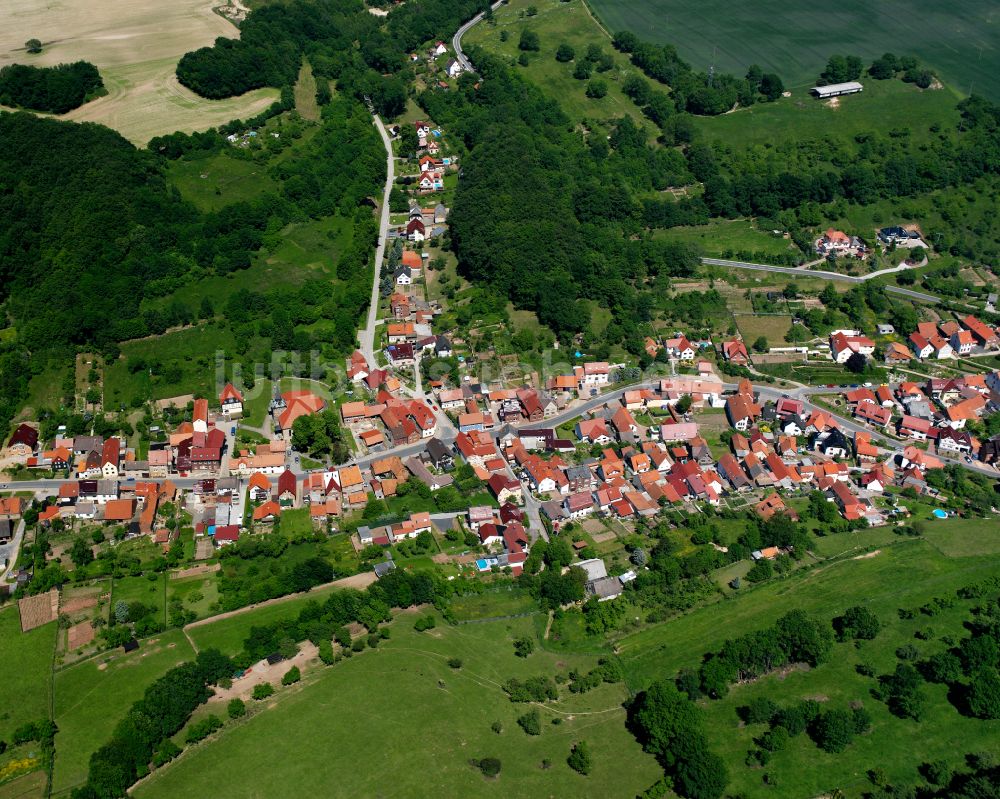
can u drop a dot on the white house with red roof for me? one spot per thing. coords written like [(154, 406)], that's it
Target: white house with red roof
[(231, 401), (843, 346)]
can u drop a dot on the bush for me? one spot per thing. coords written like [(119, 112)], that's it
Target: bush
[(597, 89), (565, 53), (168, 751), (531, 723), (455, 663), (236, 708), (760, 711), (425, 623), (325, 651), (775, 739), (292, 676), (857, 623), (529, 41), (523, 647), (263, 691), (200, 730), (579, 758), (490, 766)]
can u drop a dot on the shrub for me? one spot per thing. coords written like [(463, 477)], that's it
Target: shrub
[(597, 89), (579, 758), (565, 53), (455, 663), (531, 723), (202, 729), (168, 751), (490, 766), (236, 708), (425, 623), (760, 711), (523, 647), (292, 676), (858, 622), (775, 739), (263, 691)]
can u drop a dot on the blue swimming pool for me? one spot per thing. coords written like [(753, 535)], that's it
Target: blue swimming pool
[(940, 514), (483, 564)]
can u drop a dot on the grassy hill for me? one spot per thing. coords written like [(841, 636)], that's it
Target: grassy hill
[(795, 39)]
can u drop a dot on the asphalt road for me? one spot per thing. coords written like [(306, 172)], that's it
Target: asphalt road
[(366, 336), (456, 40), (788, 270)]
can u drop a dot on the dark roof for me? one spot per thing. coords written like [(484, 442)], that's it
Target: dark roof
[(25, 434)]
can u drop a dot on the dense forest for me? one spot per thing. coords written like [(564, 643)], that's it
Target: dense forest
[(89, 228), (342, 41), (54, 90)]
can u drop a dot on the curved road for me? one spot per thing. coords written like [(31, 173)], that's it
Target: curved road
[(788, 270), (456, 40), (366, 336)]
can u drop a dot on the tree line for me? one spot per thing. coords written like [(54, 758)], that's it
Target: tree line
[(54, 90)]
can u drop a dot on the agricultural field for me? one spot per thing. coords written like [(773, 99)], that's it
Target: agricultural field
[(136, 46), (557, 23), (405, 690), (795, 40), (92, 697), (26, 687)]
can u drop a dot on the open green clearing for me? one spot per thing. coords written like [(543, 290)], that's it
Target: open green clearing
[(772, 327), (188, 589), (898, 746), (795, 40), (888, 105), (26, 685), (404, 699), (220, 179), (93, 696), (959, 538), (722, 238), (150, 593), (492, 604), (557, 23), (905, 573), (228, 634)]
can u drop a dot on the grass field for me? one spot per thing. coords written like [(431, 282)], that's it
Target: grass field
[(557, 23), (403, 705), (214, 182), (135, 44), (227, 635), (93, 696), (882, 106), (906, 573), (795, 40), (185, 589), (493, 604), (959, 538), (773, 328), (26, 687), (150, 593), (895, 745), (727, 236), (305, 93)]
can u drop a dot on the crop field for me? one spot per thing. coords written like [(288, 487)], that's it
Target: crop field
[(136, 45), (360, 710), (557, 23), (93, 696), (25, 688), (795, 39)]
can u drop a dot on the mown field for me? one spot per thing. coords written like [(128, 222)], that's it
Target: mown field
[(399, 722), (883, 106), (25, 689), (93, 696), (135, 44), (795, 39)]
